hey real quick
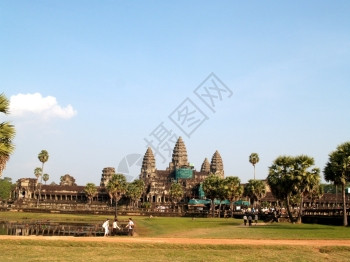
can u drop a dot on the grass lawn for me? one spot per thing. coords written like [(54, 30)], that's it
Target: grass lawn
[(199, 227), (62, 250), (26, 250)]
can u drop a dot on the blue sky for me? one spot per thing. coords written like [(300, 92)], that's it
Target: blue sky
[(89, 81)]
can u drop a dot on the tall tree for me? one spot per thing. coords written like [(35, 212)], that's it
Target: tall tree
[(176, 192), (233, 190), (306, 179), (255, 190), (46, 177), (37, 172), (279, 181), (43, 157), (6, 187), (134, 190), (7, 134), (116, 188), (337, 170), (291, 179), (254, 159), (211, 186), (90, 191), (222, 194)]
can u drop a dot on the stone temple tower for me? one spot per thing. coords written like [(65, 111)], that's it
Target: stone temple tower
[(216, 166), (179, 159), (148, 168), (205, 166), (107, 173)]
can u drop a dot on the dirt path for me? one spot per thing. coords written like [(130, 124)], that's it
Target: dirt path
[(188, 240)]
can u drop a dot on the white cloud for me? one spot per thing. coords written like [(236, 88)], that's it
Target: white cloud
[(47, 107)]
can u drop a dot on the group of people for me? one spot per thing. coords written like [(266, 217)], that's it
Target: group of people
[(249, 219), (129, 226)]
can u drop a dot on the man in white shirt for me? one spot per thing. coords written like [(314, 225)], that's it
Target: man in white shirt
[(106, 227), (130, 227), (114, 227)]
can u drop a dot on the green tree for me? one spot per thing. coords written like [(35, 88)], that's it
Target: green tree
[(6, 188), (90, 191), (7, 134), (176, 193), (46, 177), (254, 159), (306, 179), (116, 188), (255, 190), (291, 179), (37, 172), (279, 180), (211, 187), (43, 157), (233, 190), (222, 194), (134, 191), (337, 170)]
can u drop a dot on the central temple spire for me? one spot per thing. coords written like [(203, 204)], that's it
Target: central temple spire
[(179, 158), (216, 166)]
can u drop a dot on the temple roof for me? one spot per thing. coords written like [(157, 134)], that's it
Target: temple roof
[(205, 166), (216, 165), (179, 158), (149, 162)]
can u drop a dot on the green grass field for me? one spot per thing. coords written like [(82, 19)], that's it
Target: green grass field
[(40, 250)]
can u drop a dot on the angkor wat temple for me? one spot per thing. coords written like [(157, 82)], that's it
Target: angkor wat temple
[(157, 182), (157, 185)]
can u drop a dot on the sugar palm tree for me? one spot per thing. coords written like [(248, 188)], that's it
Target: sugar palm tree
[(176, 192), (305, 179), (37, 172), (255, 190), (337, 170), (233, 190), (211, 187), (90, 190), (254, 159), (43, 158), (135, 190), (7, 134), (46, 177), (116, 188)]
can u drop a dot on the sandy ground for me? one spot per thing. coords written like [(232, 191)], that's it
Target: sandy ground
[(187, 240)]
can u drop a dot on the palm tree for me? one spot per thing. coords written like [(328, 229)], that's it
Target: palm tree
[(134, 190), (254, 159), (211, 187), (43, 158), (233, 190), (306, 179), (46, 177), (176, 192), (279, 181), (255, 190), (90, 190), (291, 179), (337, 170), (116, 188), (7, 134), (37, 172)]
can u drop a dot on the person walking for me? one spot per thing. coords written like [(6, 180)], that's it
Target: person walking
[(130, 226), (114, 227), (245, 219), (256, 217), (106, 227), (250, 220)]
